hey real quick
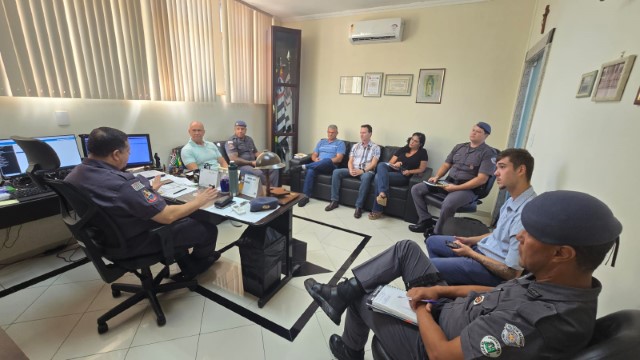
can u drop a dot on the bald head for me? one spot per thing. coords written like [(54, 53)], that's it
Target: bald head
[(196, 131)]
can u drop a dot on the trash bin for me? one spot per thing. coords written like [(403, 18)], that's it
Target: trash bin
[(261, 251)]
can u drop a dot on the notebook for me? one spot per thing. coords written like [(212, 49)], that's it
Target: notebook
[(392, 301)]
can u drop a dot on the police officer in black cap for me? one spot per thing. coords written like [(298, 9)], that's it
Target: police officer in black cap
[(549, 313), (136, 207)]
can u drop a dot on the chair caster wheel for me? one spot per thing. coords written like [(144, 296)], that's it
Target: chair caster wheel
[(103, 328), (161, 320), (116, 293)]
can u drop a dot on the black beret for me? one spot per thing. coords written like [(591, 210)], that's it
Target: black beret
[(570, 218)]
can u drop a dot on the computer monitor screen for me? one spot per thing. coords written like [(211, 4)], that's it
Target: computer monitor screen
[(13, 161), (140, 144)]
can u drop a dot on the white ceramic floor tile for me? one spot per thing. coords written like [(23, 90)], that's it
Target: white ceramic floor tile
[(113, 355), (216, 317), (183, 315), (30, 268), (11, 306), (308, 345), (240, 343), (184, 348), (84, 340), (40, 339), (85, 272), (63, 299)]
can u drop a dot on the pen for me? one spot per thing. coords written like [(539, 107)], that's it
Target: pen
[(181, 190), (424, 300)]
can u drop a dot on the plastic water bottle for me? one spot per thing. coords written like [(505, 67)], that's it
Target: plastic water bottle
[(233, 178)]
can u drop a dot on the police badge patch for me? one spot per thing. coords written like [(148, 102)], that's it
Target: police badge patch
[(490, 347), (478, 300), (149, 196), (137, 186), (512, 336)]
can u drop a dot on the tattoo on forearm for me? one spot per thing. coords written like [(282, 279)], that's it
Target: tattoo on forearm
[(498, 269)]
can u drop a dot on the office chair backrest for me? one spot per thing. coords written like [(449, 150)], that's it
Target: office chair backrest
[(41, 157)]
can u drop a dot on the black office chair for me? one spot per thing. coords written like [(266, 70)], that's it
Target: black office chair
[(616, 337), (102, 241)]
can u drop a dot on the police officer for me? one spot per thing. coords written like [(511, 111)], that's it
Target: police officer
[(549, 313), (469, 165), (135, 206), (242, 150)]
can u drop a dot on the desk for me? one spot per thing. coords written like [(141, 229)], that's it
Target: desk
[(23, 212), (281, 220)]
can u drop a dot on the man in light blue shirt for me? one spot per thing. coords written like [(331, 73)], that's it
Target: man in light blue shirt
[(197, 152), (326, 156), (491, 258)]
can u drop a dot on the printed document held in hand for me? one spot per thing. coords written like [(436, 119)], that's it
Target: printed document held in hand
[(390, 300)]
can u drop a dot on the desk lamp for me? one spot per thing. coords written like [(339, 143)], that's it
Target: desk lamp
[(268, 161)]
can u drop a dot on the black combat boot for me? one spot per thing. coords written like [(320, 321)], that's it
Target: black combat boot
[(334, 300)]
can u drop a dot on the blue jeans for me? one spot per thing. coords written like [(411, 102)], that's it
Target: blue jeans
[(458, 270), (324, 166), (336, 179), (386, 176)]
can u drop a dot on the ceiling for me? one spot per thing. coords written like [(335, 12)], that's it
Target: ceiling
[(296, 10)]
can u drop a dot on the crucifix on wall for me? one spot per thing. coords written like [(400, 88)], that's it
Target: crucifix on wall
[(544, 19)]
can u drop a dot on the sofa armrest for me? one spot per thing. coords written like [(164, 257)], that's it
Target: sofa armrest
[(417, 178), (295, 175), (300, 161)]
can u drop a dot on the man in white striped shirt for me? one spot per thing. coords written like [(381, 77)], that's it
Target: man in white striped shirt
[(363, 160)]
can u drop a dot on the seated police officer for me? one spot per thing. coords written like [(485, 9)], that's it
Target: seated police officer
[(469, 166), (135, 206), (547, 314), (242, 150)]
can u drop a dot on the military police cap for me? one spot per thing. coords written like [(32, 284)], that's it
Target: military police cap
[(570, 218), (263, 203), (484, 126), (241, 123)]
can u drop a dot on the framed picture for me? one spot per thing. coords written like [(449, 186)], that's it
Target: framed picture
[(430, 83), (372, 84), (613, 79), (637, 100), (350, 84), (586, 84), (398, 84)]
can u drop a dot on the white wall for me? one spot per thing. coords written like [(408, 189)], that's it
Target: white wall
[(166, 121), (586, 146), (481, 45)]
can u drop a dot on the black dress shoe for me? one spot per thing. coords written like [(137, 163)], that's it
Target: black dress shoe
[(333, 300), (421, 226), (332, 205), (341, 351), (303, 202), (358, 213)]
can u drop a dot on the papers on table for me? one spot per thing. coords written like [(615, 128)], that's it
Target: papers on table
[(174, 190), (149, 174)]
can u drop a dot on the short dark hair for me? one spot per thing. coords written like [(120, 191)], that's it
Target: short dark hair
[(368, 127), (589, 258), (105, 140), (518, 157), (421, 138)]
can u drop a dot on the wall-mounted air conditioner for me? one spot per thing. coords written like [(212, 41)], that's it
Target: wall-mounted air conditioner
[(374, 31)]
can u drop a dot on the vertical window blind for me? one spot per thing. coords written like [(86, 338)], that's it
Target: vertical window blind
[(130, 49)]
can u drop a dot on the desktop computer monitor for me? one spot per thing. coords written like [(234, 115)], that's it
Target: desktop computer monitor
[(13, 161), (140, 144)]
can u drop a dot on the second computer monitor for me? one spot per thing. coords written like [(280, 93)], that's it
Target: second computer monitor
[(140, 144), (13, 160)]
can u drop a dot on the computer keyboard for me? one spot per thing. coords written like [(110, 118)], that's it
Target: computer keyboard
[(32, 193)]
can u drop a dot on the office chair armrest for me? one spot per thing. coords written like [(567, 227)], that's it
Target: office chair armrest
[(166, 240), (420, 177)]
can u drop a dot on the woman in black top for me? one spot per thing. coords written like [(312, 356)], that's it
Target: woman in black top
[(407, 161)]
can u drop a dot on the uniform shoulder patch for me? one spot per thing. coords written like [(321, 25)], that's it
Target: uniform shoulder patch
[(512, 336), (149, 196), (490, 347), (137, 186), (478, 300)]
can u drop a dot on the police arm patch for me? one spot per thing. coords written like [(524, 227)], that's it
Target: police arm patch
[(149, 196), (512, 336), (490, 347)]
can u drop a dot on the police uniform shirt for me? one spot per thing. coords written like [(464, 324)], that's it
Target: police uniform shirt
[(245, 148), (466, 162), (128, 199), (207, 153), (522, 319)]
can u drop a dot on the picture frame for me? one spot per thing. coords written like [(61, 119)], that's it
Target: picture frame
[(351, 85), (637, 100), (398, 84), (586, 84), (613, 79), (430, 84), (373, 84)]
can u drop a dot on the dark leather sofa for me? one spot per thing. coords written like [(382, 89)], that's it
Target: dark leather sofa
[(399, 203)]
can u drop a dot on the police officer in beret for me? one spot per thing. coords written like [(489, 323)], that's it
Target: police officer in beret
[(549, 313), (242, 150), (135, 206)]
